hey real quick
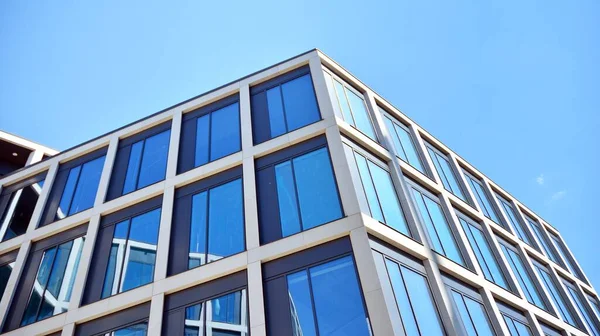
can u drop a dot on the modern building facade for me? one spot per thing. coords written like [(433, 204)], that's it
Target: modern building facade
[(294, 201), (16, 153)]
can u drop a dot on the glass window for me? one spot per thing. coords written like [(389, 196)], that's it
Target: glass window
[(138, 329), (224, 315), (381, 195), (327, 298), (133, 253), (437, 228), (549, 331), (80, 189), (472, 315), (307, 192), (5, 271), (588, 316), (483, 252), (19, 210), (482, 198), (217, 224), (353, 107), (415, 302), (561, 304), (523, 277), (562, 250), (539, 233), (217, 134), (147, 162), (512, 216), (444, 170), (405, 147), (51, 290), (594, 303), (516, 327)]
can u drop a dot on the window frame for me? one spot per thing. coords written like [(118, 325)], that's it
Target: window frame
[(545, 240), (187, 144), (116, 321), (101, 252), (261, 127), (586, 305), (513, 314), (279, 321), (570, 264), (182, 212), (268, 205), (489, 197), (121, 161), (60, 181), (395, 121), (6, 196), (28, 275), (5, 260), (455, 173), (501, 199)]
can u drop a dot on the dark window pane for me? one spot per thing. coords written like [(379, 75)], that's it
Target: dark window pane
[(289, 213), (198, 226), (87, 186), (338, 303), (202, 140), (4, 275), (317, 191), (139, 329), (67, 195), (226, 220), (276, 114), (301, 306), (154, 159), (107, 288), (133, 167), (300, 102), (225, 132), (17, 214)]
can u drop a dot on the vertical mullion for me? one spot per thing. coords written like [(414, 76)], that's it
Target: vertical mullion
[(207, 223), (312, 301), (138, 168)]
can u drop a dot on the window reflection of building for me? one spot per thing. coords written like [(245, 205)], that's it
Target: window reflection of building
[(223, 316), (17, 215), (134, 261)]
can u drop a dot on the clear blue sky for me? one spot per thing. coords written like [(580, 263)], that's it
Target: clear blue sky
[(512, 86)]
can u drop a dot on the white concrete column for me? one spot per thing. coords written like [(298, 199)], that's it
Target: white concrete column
[(156, 315), (12, 280), (250, 204), (173, 154), (35, 156), (341, 170), (494, 313), (164, 234), (256, 302), (42, 199), (321, 90), (68, 330), (109, 161), (246, 118), (84, 262)]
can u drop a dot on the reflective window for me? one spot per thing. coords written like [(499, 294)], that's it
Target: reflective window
[(549, 331), (539, 233), (523, 277), (485, 257), (403, 143), (594, 303), (327, 298), (352, 106), (565, 255), (147, 162), (437, 228), (80, 189), (132, 254), (482, 198), (564, 309), (138, 329), (217, 224), (226, 315), (588, 316), (53, 283), (415, 302), (306, 192), (472, 315), (217, 134), (381, 195), (19, 209), (516, 327), (5, 271), (512, 216), (445, 172)]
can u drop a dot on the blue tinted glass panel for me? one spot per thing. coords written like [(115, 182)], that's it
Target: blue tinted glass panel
[(390, 205), (87, 186), (344, 105), (133, 167), (556, 297), (482, 199), (201, 154), (41, 279), (337, 296), (301, 306), (429, 225), (593, 302), (226, 220), (589, 319), (415, 303), (154, 159), (139, 329), (289, 213), (389, 124), (516, 224), (109, 278), (225, 132), (516, 328), (442, 230), (317, 190), (408, 147), (449, 180), (563, 253), (486, 259), (276, 114), (197, 254), (361, 116), (226, 309), (67, 195), (527, 285), (143, 238), (537, 230), (467, 323), (300, 102), (369, 188), (479, 317)]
